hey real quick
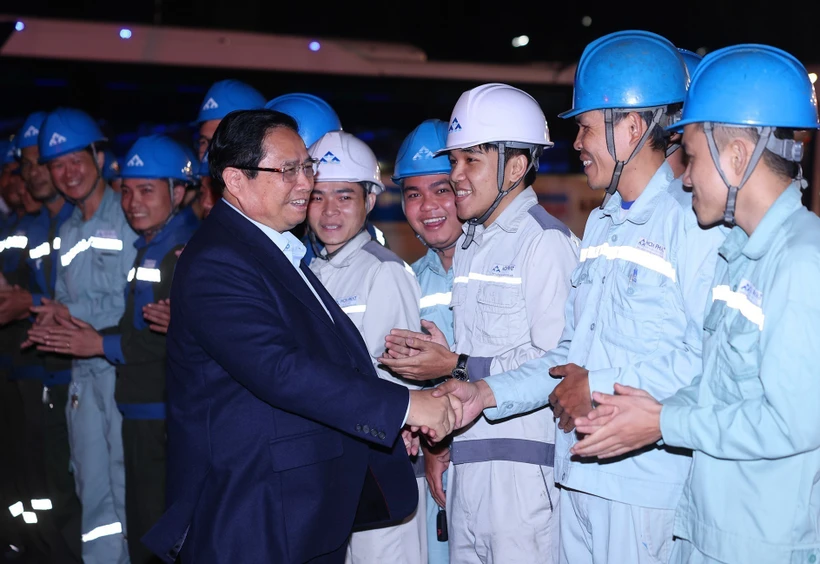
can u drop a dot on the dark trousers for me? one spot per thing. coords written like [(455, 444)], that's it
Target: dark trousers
[(12, 529), (47, 471), (66, 515), (144, 445)]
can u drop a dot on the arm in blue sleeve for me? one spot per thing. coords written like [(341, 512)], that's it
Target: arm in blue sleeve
[(112, 348)]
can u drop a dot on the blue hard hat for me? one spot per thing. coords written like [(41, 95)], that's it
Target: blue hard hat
[(691, 59), (156, 156), (8, 152), (416, 154), (111, 171), (226, 96), (5, 147), (752, 85), (67, 130), (628, 70), (313, 115), (192, 156), (30, 130), (204, 169)]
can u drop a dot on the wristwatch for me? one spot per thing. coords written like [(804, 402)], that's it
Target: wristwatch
[(460, 371)]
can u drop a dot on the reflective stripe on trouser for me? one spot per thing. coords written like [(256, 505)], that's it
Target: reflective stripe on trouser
[(405, 543), (684, 552), (437, 552), (595, 530), (95, 434), (12, 493), (501, 512), (48, 538)]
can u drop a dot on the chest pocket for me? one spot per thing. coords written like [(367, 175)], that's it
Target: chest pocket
[(740, 359), (502, 317), (105, 255), (640, 302)]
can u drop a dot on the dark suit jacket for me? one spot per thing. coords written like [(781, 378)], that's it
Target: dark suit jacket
[(275, 414)]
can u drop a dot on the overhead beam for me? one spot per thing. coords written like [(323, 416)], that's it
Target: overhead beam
[(160, 45)]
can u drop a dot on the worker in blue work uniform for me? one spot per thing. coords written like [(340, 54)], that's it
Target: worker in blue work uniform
[(158, 314), (750, 417), (13, 244), (429, 203), (315, 117), (43, 378), (154, 175), (11, 522), (9, 202), (25, 440), (222, 98), (95, 255)]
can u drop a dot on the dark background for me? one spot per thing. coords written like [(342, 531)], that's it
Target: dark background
[(132, 100)]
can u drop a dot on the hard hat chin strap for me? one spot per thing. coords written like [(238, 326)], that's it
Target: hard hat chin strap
[(438, 250), (671, 149), (502, 163), (609, 124), (789, 149)]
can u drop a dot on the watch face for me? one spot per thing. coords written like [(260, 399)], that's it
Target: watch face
[(460, 374)]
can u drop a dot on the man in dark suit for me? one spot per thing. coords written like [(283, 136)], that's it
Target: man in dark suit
[(281, 438)]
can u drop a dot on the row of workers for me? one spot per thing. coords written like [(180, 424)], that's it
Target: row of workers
[(519, 306)]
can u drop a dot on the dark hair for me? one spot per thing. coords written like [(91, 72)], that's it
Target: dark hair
[(776, 163), (511, 153), (658, 138), (239, 141)]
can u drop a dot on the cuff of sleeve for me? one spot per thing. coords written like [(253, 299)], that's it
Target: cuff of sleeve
[(37, 299), (674, 425), (498, 411), (478, 367), (406, 412), (112, 349), (603, 380)]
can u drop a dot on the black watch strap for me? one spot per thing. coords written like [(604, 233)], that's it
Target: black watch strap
[(460, 371)]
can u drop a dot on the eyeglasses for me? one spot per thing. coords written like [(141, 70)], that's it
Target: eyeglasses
[(291, 173)]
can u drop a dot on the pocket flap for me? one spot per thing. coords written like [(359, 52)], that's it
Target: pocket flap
[(302, 450)]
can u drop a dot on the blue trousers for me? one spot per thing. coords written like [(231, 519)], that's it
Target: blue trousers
[(95, 434)]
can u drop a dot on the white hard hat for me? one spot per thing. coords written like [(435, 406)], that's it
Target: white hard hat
[(344, 158), (495, 113)]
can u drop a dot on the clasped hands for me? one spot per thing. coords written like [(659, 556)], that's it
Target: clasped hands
[(619, 423)]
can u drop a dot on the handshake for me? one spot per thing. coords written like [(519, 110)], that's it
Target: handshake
[(438, 412)]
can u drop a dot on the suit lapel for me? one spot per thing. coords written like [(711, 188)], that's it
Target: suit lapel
[(346, 328), (275, 262), (271, 258)]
